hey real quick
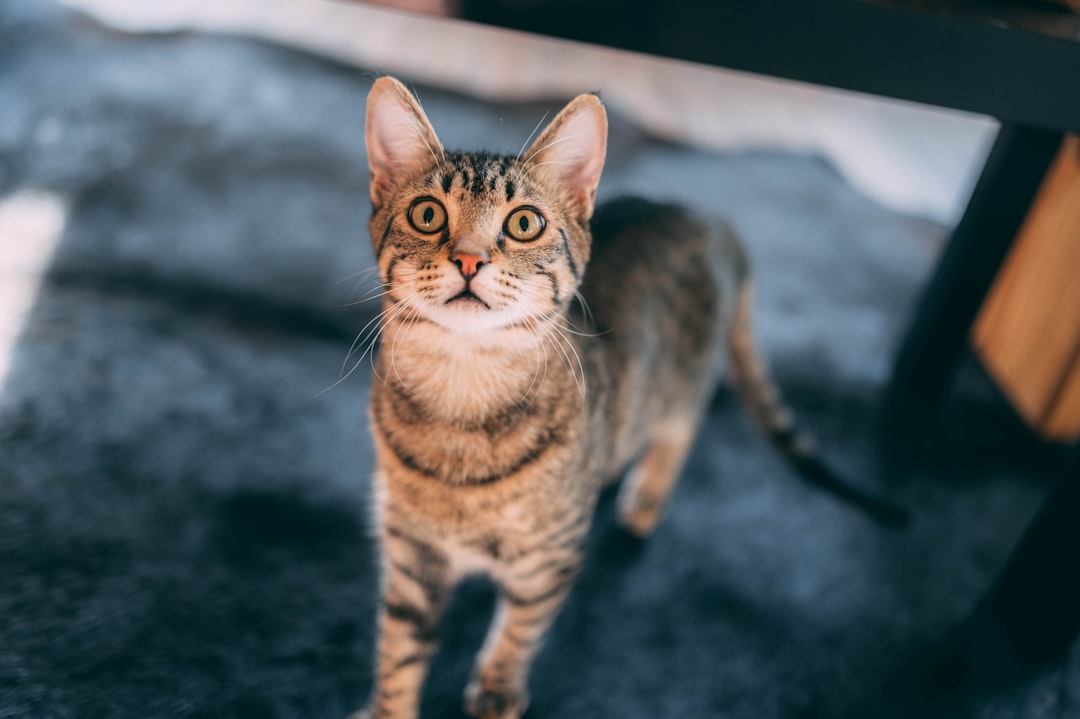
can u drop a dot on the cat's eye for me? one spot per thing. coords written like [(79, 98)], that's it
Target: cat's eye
[(524, 224), (427, 215)]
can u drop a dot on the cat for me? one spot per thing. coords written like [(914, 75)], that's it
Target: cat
[(531, 351)]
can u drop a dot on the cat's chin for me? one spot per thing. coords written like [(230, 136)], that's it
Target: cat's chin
[(471, 316)]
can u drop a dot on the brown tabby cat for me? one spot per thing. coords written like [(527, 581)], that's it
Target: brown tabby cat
[(504, 399)]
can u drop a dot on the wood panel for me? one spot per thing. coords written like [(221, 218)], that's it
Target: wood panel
[(1028, 332)]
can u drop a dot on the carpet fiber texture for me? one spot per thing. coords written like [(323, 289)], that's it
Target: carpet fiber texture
[(184, 483)]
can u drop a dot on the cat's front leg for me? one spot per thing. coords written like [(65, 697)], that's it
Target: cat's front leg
[(529, 600), (416, 584)]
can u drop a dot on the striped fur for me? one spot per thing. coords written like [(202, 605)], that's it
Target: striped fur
[(507, 395)]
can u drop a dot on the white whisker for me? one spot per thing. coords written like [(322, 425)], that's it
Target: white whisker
[(367, 337), (551, 144), (419, 131), (530, 324), (569, 345), (531, 134)]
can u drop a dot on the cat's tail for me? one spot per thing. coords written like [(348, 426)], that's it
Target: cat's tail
[(762, 398)]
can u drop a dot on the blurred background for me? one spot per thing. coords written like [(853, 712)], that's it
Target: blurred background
[(912, 158), (184, 452)]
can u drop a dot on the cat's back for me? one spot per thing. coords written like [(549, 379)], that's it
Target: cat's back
[(651, 259)]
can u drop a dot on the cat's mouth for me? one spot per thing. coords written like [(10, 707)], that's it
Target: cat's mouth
[(467, 296)]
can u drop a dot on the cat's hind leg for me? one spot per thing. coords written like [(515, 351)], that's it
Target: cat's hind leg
[(646, 487)]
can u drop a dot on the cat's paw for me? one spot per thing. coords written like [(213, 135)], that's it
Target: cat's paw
[(640, 523), (638, 512), (487, 704)]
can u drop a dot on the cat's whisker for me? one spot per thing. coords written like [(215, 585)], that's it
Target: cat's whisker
[(376, 291), (530, 324), (561, 343), (420, 132), (362, 274), (386, 288), (528, 160), (566, 323), (537, 165), (368, 274), (585, 309), (533, 133), (568, 345), (412, 314), (442, 150), (566, 349), (361, 339), (373, 294), (389, 317), (367, 337)]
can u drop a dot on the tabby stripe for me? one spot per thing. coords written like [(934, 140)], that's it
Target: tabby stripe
[(549, 564), (510, 189), (562, 535), (407, 458), (505, 419), (477, 184), (385, 237), (390, 270), (444, 238), (425, 551), (521, 642), (496, 424), (528, 458), (542, 270), (426, 629), (569, 256), (570, 540), (434, 592), (403, 663), (417, 413)]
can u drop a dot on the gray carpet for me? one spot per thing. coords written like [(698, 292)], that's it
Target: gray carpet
[(183, 507)]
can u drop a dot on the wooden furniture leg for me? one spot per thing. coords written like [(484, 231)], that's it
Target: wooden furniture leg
[(939, 332)]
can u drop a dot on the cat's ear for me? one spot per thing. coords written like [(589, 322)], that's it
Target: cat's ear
[(400, 140), (571, 150)]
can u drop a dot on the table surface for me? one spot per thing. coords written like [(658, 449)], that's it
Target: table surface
[(1015, 60)]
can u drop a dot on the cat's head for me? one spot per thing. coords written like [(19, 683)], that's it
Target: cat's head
[(472, 241)]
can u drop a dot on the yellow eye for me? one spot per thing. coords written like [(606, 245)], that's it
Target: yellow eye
[(524, 224), (427, 215)]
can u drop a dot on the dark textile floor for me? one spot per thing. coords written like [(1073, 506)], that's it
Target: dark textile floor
[(183, 523)]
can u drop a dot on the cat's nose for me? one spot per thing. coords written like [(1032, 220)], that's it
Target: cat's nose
[(469, 263)]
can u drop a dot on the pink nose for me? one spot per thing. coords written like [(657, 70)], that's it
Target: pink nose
[(468, 263)]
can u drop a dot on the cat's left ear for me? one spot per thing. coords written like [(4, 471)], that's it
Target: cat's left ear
[(400, 140), (571, 150)]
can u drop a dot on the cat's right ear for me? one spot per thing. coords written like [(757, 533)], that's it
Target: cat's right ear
[(400, 140), (571, 150)]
